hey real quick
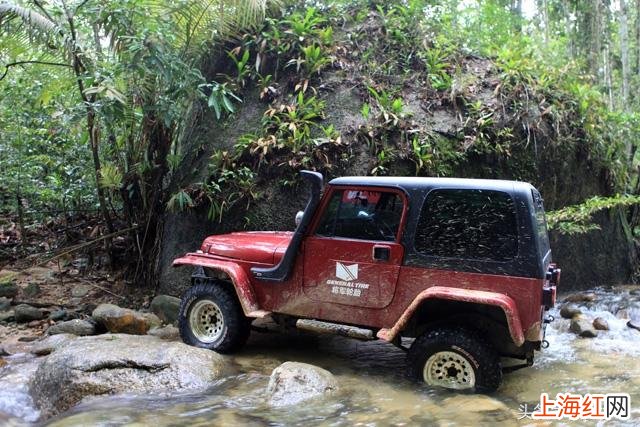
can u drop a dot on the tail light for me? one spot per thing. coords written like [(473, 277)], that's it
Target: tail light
[(552, 279)]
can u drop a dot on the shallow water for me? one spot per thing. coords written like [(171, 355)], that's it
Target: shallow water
[(374, 389)]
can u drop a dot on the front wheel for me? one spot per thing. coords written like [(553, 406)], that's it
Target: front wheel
[(456, 359), (211, 317)]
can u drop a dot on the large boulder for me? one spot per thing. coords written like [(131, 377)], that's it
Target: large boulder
[(117, 363), (293, 382), (74, 327), (123, 320), (51, 343), (166, 308), (25, 313)]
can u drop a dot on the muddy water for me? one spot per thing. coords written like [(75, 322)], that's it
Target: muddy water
[(374, 390)]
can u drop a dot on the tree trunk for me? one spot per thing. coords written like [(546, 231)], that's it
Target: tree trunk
[(595, 49), (23, 231), (637, 36), (624, 54)]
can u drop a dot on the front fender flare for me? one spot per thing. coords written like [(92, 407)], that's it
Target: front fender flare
[(241, 281), (506, 303)]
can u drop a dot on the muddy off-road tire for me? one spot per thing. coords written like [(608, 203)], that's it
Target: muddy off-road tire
[(456, 359), (211, 317)]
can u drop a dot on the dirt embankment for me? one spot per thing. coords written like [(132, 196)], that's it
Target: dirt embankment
[(477, 108)]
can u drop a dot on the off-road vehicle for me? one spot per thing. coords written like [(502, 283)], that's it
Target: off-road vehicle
[(461, 265)]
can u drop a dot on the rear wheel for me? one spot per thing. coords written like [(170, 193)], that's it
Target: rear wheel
[(211, 317), (456, 359)]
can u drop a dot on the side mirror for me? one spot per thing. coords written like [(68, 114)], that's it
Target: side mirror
[(299, 217)]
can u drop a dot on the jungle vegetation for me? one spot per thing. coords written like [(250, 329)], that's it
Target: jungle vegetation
[(96, 98)]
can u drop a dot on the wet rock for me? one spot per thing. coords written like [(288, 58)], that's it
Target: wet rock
[(80, 291), (623, 313), (32, 290), (7, 316), (25, 313), (8, 290), (27, 339), (4, 352), (109, 364), (166, 308), (2, 362), (50, 344), (581, 297), (58, 315), (569, 311), (5, 303), (123, 320), (168, 332), (294, 382), (478, 409), (34, 323), (600, 324), (75, 327), (635, 324), (582, 327)]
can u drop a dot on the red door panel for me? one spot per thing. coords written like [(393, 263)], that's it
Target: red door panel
[(359, 273)]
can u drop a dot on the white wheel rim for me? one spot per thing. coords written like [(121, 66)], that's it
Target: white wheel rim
[(450, 370), (206, 321)]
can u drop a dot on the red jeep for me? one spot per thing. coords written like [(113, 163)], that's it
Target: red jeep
[(461, 265)]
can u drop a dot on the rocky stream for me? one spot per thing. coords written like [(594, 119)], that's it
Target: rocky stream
[(123, 379)]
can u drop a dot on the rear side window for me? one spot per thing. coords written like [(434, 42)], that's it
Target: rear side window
[(541, 224), (364, 215), (468, 224)]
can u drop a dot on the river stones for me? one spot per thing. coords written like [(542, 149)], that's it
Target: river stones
[(80, 291), (25, 313), (32, 290), (634, 324), (475, 409), (569, 311), (582, 327), (168, 332), (166, 308), (600, 324), (5, 303), (293, 382), (581, 297), (75, 327), (117, 363), (123, 320), (8, 290)]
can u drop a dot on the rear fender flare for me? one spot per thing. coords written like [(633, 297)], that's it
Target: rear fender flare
[(504, 302), (240, 279)]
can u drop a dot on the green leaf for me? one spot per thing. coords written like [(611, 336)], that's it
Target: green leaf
[(213, 102)]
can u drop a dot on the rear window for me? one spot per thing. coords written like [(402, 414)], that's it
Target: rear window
[(468, 224)]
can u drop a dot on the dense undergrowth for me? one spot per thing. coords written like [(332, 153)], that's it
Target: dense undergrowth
[(518, 111)]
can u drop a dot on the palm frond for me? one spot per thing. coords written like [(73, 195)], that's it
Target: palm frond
[(31, 19)]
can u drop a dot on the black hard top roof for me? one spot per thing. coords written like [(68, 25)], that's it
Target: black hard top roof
[(411, 184)]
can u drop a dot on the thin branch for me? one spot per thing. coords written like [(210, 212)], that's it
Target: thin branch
[(80, 6), (43, 10), (12, 64)]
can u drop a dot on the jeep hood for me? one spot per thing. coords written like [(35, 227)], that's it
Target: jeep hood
[(265, 247)]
